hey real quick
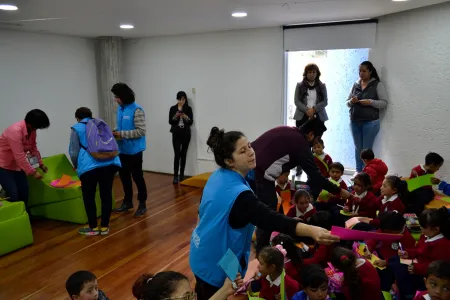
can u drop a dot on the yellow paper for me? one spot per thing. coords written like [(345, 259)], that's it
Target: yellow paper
[(65, 180), (362, 250)]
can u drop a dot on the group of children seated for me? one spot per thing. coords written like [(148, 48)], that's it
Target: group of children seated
[(403, 269)]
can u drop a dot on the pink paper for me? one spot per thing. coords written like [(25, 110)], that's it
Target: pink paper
[(349, 234)]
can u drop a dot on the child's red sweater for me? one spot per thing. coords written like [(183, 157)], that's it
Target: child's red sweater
[(336, 199), (324, 164), (390, 249), (421, 296), (367, 205), (427, 251), (419, 171), (394, 203), (370, 283), (304, 217), (293, 272), (273, 292), (321, 255), (377, 170)]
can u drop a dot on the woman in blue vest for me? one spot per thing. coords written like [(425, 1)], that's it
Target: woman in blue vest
[(92, 172), (130, 133), (229, 212)]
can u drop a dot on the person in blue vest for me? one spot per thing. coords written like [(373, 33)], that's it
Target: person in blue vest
[(92, 172), (229, 212), (130, 133)]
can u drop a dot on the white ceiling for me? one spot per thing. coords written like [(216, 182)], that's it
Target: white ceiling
[(92, 18)]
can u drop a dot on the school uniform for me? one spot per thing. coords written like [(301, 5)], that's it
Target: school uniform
[(323, 161), (336, 199), (294, 212), (367, 207), (370, 283), (422, 296), (270, 290), (293, 272), (321, 255), (377, 170), (393, 203)]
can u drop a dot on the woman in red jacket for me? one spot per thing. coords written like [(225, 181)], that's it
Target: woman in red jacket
[(375, 168)]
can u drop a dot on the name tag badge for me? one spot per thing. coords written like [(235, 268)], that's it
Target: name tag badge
[(34, 161), (126, 117)]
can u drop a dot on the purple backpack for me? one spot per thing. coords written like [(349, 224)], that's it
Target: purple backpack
[(101, 143)]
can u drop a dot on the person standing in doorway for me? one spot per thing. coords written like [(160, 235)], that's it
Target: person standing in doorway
[(180, 119), (367, 97), (310, 97), (130, 134)]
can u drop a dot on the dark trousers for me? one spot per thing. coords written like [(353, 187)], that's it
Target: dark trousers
[(204, 290), (132, 167), (104, 177), (180, 142), (299, 123), (266, 193), (15, 184), (407, 283), (418, 199)]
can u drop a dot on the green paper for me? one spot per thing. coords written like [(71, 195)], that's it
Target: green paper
[(345, 213), (325, 195), (418, 182)]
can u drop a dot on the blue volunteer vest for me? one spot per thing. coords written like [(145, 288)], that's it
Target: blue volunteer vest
[(125, 121), (213, 235), (85, 161)]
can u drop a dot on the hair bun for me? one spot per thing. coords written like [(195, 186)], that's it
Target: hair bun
[(139, 288), (215, 138)]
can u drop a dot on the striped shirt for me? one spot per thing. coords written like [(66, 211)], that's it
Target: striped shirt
[(139, 124)]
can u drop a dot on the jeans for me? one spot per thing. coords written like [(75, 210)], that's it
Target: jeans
[(104, 177), (180, 142), (364, 134), (132, 167), (15, 184)]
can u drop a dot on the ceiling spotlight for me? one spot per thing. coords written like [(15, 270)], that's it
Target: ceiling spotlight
[(126, 26), (8, 7), (239, 14), (399, 0)]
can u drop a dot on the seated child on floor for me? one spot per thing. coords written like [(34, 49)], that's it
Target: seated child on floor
[(302, 209), (82, 285), (322, 160), (271, 269), (437, 282), (364, 202), (320, 254), (315, 284), (375, 168), (294, 256), (422, 196), (361, 280), (434, 244), (329, 201), (390, 222)]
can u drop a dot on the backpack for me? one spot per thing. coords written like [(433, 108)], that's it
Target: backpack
[(101, 143)]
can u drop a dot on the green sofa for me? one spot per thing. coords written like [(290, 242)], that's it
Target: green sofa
[(64, 204), (15, 228)]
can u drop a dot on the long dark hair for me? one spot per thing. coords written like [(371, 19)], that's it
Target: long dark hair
[(180, 95), (345, 260), (157, 287), (292, 251), (223, 144), (272, 256), (436, 218), (371, 68), (400, 185), (364, 178)]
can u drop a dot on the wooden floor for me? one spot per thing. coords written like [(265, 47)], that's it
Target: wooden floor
[(159, 241)]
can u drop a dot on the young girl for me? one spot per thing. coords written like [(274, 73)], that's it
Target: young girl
[(302, 209), (315, 284), (321, 254), (361, 280), (271, 267), (364, 202), (322, 160), (393, 194), (294, 256), (434, 244)]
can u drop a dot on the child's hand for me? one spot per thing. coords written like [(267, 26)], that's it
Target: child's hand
[(402, 254), (411, 269), (346, 208), (354, 214), (298, 219), (239, 281), (380, 263), (368, 255), (435, 180), (257, 276)]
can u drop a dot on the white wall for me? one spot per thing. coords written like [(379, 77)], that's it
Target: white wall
[(53, 73), (238, 82), (412, 54)]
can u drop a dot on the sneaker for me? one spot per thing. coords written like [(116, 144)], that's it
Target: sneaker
[(89, 231), (104, 231)]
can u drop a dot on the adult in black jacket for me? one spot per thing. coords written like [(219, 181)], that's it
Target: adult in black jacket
[(180, 119)]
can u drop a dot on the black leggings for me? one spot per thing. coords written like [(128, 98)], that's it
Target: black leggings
[(180, 142)]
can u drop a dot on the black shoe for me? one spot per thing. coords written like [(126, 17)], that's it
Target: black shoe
[(126, 206), (182, 178), (175, 180), (142, 209)]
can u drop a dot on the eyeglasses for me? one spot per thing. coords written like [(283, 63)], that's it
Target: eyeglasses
[(191, 296)]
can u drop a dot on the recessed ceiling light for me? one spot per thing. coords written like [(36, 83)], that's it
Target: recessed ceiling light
[(126, 26), (239, 14), (399, 0), (8, 7)]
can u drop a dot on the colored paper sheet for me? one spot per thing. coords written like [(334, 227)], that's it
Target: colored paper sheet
[(286, 201), (64, 181), (351, 222), (441, 198), (362, 250), (345, 213), (418, 182), (349, 234), (230, 264), (407, 261)]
